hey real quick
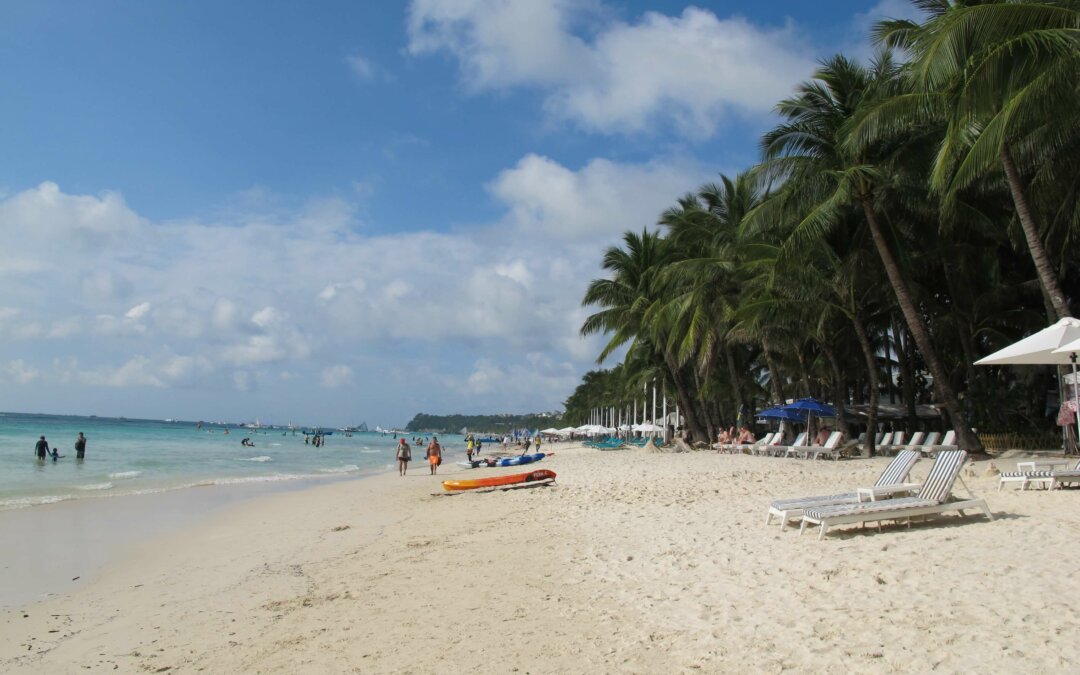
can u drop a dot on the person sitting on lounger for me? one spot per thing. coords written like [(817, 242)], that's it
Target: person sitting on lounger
[(822, 437), (745, 436), (723, 438)]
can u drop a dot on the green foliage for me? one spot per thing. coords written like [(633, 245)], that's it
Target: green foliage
[(907, 217)]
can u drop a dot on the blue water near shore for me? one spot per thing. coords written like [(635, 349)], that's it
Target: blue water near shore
[(143, 456)]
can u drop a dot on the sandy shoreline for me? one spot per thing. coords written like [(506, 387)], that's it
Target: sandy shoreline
[(632, 563)]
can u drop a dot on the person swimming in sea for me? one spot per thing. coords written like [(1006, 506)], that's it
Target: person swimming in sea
[(247, 443), (56, 455)]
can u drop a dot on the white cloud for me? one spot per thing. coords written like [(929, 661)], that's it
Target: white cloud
[(18, 372), (138, 311), (690, 71), (362, 68), (139, 371), (603, 198), (336, 377), (234, 306), (860, 45)]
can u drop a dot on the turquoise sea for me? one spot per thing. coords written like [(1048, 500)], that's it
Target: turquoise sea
[(127, 456)]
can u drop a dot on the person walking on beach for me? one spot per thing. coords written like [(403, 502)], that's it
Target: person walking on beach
[(42, 448), (469, 447), (80, 446), (404, 454), (434, 455)]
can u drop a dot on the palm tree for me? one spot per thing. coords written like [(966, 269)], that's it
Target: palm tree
[(629, 299), (809, 152), (1005, 76)]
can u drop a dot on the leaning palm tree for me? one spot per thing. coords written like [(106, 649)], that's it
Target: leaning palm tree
[(808, 152), (1005, 75)]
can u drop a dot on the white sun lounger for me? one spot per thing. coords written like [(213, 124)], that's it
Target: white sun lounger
[(739, 448), (778, 449), (815, 451), (890, 482), (932, 498), (1047, 478), (947, 443), (913, 443)]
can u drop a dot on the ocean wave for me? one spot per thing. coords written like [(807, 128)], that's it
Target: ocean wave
[(260, 458), (370, 452), (348, 468), (242, 480), (23, 502), (124, 474), (95, 486)]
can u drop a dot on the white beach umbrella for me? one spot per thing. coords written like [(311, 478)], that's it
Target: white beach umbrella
[(1058, 344), (1047, 347), (549, 431)]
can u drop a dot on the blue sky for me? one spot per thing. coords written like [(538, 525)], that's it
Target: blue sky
[(340, 211)]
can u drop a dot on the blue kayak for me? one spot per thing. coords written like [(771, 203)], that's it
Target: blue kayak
[(523, 459)]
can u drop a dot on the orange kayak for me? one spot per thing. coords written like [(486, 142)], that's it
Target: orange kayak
[(498, 481)]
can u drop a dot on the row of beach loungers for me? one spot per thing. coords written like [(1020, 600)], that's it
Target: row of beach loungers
[(616, 443), (770, 445), (892, 497)]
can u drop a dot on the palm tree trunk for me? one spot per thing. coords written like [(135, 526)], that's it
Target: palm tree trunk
[(839, 390), (872, 374), (804, 377), (686, 404), (733, 375), (774, 374), (1047, 278), (906, 358), (966, 438), (889, 365)]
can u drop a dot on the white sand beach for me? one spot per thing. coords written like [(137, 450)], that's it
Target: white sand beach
[(633, 562)]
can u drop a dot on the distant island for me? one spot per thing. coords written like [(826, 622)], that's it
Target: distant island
[(452, 424)]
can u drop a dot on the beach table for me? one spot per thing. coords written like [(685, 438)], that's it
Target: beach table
[(1042, 464), (872, 494)]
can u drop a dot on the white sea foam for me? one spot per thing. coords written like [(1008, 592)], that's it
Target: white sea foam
[(124, 474), (261, 458), (95, 486), (241, 480), (369, 452), (23, 502), (348, 468)]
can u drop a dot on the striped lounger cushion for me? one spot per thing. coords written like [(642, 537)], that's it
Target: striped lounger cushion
[(822, 500), (1030, 474), (897, 505)]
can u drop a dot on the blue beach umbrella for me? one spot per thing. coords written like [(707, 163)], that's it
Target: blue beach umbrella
[(782, 414), (810, 406)]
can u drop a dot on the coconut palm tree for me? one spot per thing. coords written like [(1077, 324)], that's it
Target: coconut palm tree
[(808, 152), (1005, 75)]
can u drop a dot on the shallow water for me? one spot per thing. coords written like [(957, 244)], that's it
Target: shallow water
[(145, 456)]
